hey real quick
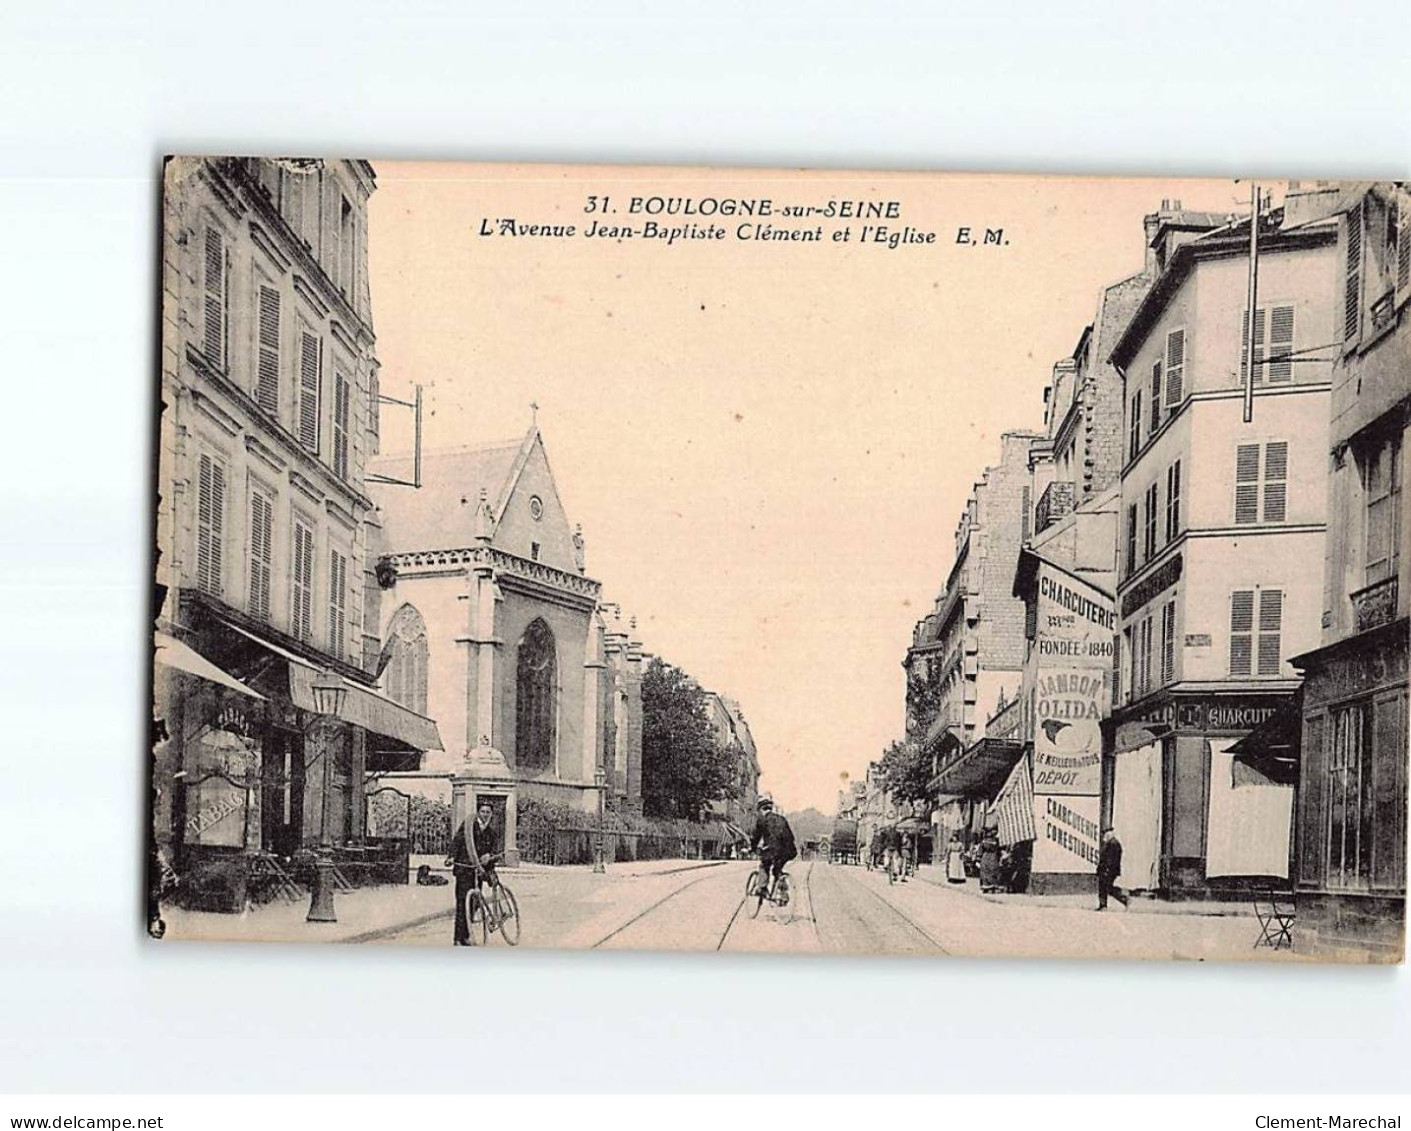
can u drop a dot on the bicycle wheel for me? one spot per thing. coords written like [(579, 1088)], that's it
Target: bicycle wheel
[(750, 881), (756, 896), (508, 914), (476, 914)]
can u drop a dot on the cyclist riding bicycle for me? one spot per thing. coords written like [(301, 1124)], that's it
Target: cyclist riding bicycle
[(476, 846), (774, 839)]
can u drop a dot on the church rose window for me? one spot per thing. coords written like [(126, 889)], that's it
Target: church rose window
[(536, 684)]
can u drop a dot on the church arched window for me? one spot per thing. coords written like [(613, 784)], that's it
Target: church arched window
[(536, 685), (404, 678)]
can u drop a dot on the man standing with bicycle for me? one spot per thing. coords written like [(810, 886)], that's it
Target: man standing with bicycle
[(774, 839), (476, 845)]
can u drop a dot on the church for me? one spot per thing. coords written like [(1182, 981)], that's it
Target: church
[(493, 628)]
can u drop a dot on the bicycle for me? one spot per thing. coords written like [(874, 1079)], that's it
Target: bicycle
[(495, 910), (759, 891)]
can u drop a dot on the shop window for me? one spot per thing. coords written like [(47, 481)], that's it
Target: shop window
[(1350, 798), (536, 685)]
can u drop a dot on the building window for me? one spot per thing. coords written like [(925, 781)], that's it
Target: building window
[(267, 363), (210, 525), (215, 297), (337, 603), (1173, 501), (1134, 439), (1144, 658), (405, 674), (1261, 485), (342, 397), (1149, 548), (1175, 367), (1381, 478), (346, 250), (1155, 397), (1273, 344), (536, 686), (1255, 646), (310, 379), (1168, 642), (1350, 798), (301, 596), (1131, 539), (261, 552)]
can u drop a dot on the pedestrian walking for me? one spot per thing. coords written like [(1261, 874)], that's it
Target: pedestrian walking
[(1109, 867), (955, 860)]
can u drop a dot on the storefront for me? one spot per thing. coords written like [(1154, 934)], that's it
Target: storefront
[(261, 762), (969, 783), (1195, 821), (1351, 876)]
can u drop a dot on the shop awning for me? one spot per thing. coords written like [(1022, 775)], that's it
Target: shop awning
[(1271, 750), (362, 706), (980, 770), (172, 653)]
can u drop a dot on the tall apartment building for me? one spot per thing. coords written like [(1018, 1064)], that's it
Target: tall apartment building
[(1222, 523), (966, 655), (733, 733), (267, 645), (1351, 832)]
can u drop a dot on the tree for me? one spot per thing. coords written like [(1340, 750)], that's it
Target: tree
[(906, 772), (684, 765)]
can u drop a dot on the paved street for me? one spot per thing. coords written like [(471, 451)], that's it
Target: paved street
[(840, 909)]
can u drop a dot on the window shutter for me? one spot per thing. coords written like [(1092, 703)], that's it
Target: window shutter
[(1241, 631), (1132, 538), (1156, 396), (1246, 484), (374, 409), (1135, 439), (1175, 366), (1168, 643), (302, 611), (267, 371), (337, 602), (1173, 501), (213, 328), (310, 363), (1261, 328), (1352, 286), (1281, 344), (1276, 468), (341, 398), (1151, 508), (261, 553), (210, 525), (1271, 613)]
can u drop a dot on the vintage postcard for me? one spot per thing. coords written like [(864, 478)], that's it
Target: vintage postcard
[(800, 562)]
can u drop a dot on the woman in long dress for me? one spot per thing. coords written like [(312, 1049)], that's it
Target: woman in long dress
[(989, 862), (955, 860)]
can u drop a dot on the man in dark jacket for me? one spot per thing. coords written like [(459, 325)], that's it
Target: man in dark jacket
[(474, 849), (1109, 867), (774, 839)]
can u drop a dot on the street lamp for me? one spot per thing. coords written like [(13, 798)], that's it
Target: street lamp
[(329, 692), (600, 782)]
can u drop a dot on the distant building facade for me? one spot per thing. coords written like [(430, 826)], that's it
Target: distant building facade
[(733, 733)]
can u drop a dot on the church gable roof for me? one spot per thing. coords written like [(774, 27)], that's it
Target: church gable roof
[(441, 514)]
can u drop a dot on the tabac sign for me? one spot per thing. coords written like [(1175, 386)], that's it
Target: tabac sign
[(1073, 640)]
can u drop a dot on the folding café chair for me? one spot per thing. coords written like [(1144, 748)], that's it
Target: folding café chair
[(1275, 912)]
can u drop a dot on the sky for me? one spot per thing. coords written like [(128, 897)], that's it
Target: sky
[(767, 443)]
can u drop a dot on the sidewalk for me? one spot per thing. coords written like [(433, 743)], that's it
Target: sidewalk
[(1140, 905), (366, 914)]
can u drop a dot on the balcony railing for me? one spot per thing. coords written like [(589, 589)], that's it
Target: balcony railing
[(1054, 503), (1375, 605)]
